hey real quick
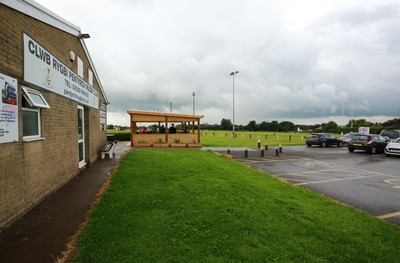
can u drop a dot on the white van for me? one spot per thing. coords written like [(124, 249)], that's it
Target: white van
[(392, 135)]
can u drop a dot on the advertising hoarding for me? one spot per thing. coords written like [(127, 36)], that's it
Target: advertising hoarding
[(8, 109), (42, 69)]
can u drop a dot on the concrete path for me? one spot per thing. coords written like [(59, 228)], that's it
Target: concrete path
[(42, 234)]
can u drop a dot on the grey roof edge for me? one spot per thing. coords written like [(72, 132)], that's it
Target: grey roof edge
[(94, 71), (36, 10), (41, 13)]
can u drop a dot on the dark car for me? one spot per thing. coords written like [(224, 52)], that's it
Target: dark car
[(323, 139), (348, 137), (372, 143)]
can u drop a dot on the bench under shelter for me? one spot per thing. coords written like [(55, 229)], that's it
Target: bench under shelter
[(187, 129)]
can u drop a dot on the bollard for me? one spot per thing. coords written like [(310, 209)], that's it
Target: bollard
[(276, 152), (228, 151), (246, 153), (290, 138), (266, 146), (226, 135), (262, 152), (280, 148), (259, 144), (250, 136)]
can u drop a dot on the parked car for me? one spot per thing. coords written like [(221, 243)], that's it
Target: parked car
[(323, 140), (372, 143), (391, 134), (348, 137), (393, 148)]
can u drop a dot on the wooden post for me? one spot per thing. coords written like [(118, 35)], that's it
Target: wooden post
[(198, 130), (133, 130), (166, 129)]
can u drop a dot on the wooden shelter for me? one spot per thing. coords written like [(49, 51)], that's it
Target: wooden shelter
[(187, 132)]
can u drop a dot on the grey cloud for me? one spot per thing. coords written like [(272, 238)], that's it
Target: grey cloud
[(150, 53)]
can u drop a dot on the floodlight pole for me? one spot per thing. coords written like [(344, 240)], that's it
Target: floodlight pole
[(194, 94), (233, 73)]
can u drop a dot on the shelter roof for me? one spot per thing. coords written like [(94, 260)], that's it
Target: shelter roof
[(149, 116)]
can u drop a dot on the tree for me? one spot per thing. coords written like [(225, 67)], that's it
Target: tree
[(359, 123), (226, 124), (331, 126), (263, 126), (286, 126), (394, 123), (274, 126), (252, 126)]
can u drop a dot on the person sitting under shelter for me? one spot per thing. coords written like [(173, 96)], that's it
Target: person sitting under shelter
[(162, 129), (172, 129)]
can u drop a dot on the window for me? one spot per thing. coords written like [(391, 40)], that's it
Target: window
[(31, 123), (80, 68), (35, 98), (90, 77), (32, 101)]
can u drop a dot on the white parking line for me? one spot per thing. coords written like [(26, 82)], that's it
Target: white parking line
[(389, 215), (311, 172), (339, 179), (395, 182)]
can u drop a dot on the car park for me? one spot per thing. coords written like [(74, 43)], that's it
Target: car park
[(392, 135), (356, 179), (348, 137), (371, 143), (393, 148), (323, 140)]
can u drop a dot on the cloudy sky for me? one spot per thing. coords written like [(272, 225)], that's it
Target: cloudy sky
[(302, 61)]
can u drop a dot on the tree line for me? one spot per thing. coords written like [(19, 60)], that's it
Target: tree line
[(288, 126)]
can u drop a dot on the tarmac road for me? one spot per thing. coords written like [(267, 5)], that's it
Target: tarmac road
[(361, 180)]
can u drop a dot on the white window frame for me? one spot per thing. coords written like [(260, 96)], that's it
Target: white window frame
[(80, 67), (82, 140), (90, 77), (36, 136), (34, 107), (31, 101)]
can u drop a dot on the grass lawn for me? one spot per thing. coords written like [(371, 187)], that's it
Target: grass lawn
[(211, 138), (195, 206), (250, 139)]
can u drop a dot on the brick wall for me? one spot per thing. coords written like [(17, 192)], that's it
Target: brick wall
[(29, 171)]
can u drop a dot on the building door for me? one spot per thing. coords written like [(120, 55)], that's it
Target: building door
[(81, 136)]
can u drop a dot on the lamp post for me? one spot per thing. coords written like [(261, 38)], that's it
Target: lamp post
[(194, 94), (233, 73)]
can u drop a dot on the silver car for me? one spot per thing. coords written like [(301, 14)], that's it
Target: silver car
[(393, 148), (346, 139)]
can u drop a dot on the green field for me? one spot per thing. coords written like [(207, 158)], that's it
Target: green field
[(194, 206), (242, 139), (250, 139)]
